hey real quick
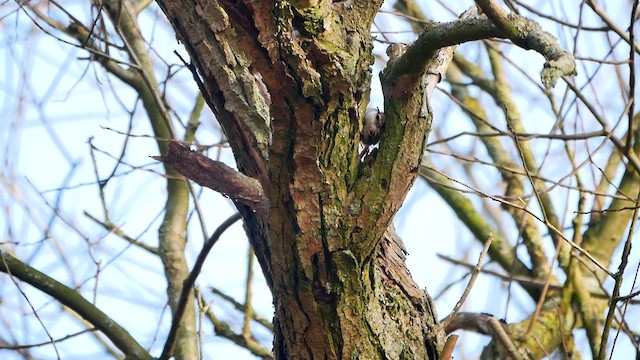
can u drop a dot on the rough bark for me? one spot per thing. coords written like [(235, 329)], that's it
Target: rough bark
[(289, 83), (340, 285)]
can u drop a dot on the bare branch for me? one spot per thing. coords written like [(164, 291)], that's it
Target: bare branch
[(523, 32), (474, 274), (529, 35), (169, 345), (216, 176), (72, 299), (224, 330)]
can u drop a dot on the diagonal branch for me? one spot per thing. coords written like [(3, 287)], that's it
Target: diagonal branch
[(408, 117), (72, 299), (216, 176), (167, 352)]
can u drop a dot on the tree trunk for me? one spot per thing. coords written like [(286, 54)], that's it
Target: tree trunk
[(289, 83)]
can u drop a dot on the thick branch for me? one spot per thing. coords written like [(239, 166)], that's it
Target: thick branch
[(408, 116), (523, 32), (529, 35), (216, 176), (73, 300)]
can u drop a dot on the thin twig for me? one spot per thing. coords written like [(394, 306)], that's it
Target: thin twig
[(624, 260), (5, 266), (112, 228), (503, 338), (223, 329), (188, 285), (44, 343), (474, 274), (268, 324), (525, 209), (613, 25)]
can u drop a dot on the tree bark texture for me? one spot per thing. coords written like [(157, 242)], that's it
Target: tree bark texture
[(289, 82)]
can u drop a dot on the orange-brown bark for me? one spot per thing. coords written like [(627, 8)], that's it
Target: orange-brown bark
[(339, 281)]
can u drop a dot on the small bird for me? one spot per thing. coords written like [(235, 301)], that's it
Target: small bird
[(372, 126)]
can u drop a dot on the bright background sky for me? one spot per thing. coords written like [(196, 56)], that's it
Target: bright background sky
[(53, 104)]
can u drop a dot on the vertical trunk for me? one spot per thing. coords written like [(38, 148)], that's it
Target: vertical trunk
[(339, 293), (338, 277), (347, 310)]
